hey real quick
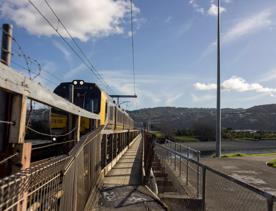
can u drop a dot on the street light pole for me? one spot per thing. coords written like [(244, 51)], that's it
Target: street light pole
[(218, 123)]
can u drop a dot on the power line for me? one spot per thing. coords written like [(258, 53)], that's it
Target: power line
[(132, 44), (76, 44), (66, 42)]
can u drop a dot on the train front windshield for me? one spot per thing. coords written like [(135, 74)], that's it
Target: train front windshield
[(86, 96)]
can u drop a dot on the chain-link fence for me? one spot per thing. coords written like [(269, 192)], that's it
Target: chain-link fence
[(214, 189)]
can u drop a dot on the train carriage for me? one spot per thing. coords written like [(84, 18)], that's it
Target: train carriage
[(90, 97)]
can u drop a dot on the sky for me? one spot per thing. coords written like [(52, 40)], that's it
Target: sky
[(174, 45)]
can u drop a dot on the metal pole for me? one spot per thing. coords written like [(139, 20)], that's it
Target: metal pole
[(198, 176), (218, 123), (6, 44), (175, 156), (180, 169), (187, 166), (203, 187)]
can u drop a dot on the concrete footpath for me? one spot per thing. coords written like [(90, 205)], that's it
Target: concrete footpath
[(252, 170), (122, 189)]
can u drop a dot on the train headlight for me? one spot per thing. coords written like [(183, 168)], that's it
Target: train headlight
[(75, 82), (81, 82), (54, 139)]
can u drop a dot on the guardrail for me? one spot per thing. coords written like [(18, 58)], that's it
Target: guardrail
[(63, 183), (16, 91), (217, 190), (185, 167)]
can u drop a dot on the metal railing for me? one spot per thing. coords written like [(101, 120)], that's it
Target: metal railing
[(66, 182), (185, 169), (216, 190)]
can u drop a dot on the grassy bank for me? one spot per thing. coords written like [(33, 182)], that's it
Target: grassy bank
[(160, 135), (233, 155), (185, 139), (272, 163)]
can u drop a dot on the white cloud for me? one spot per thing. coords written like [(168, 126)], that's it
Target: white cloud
[(85, 19), (196, 6), (269, 76), (248, 25), (168, 19), (152, 89), (63, 50), (237, 84), (244, 27), (76, 71), (213, 10), (203, 86), (202, 98)]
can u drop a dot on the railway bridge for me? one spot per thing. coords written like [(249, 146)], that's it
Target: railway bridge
[(101, 169)]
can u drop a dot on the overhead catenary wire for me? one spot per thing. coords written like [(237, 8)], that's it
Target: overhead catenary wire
[(90, 68), (132, 44), (77, 45)]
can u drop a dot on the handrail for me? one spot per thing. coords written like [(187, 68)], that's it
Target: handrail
[(188, 148), (17, 83), (248, 186)]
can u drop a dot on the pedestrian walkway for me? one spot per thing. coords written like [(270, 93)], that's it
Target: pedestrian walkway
[(122, 189)]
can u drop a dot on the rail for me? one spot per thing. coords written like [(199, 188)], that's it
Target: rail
[(217, 190), (186, 168)]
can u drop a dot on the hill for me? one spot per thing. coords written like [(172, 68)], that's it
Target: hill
[(262, 117)]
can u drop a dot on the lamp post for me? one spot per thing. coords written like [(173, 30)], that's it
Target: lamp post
[(218, 123)]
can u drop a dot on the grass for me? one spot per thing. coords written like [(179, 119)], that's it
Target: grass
[(185, 139), (272, 163), (161, 135), (233, 155), (158, 134)]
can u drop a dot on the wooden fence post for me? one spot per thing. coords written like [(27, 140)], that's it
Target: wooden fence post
[(17, 138), (78, 128)]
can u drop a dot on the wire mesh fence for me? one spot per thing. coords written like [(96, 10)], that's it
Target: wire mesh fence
[(36, 188), (60, 183), (214, 189)]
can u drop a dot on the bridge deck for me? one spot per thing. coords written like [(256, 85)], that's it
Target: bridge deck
[(122, 189), (128, 169)]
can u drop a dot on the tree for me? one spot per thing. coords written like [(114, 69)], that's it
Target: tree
[(204, 131)]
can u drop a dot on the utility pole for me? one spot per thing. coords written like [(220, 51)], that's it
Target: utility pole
[(218, 123)]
